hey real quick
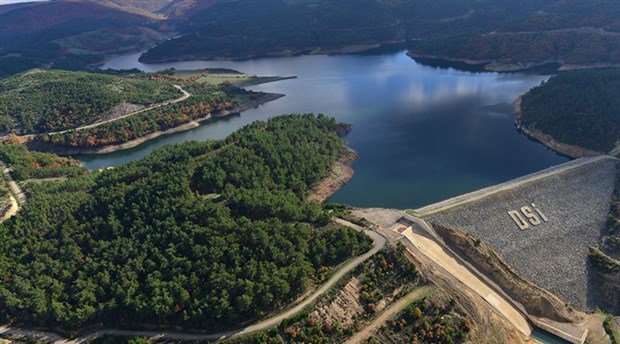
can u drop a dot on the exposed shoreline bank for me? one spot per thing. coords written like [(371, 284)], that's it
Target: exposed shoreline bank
[(61, 150), (490, 65), (571, 151), (339, 175), (347, 49)]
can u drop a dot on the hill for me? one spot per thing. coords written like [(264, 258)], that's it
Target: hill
[(75, 34), (569, 33), (40, 101), (578, 108), (71, 34), (235, 29), (510, 35), (80, 112), (199, 235)]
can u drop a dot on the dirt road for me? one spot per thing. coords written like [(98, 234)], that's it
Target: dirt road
[(89, 126), (17, 196), (378, 244), (387, 314)]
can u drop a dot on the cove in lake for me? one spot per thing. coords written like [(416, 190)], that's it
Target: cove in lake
[(423, 134)]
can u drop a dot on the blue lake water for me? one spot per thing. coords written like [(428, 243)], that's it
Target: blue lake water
[(423, 133)]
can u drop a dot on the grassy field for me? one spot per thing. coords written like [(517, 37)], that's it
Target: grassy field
[(214, 76)]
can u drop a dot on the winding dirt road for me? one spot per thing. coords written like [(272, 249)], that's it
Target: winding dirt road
[(16, 196), (378, 244), (387, 314), (94, 125)]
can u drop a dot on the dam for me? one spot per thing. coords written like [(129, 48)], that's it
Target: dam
[(542, 223)]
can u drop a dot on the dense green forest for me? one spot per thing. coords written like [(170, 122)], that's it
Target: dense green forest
[(74, 35), (27, 164), (70, 34), (249, 28), (570, 31), (579, 107), (199, 235), (44, 100), (508, 51)]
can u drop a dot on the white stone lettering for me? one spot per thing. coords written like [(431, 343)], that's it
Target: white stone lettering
[(528, 215), (518, 219)]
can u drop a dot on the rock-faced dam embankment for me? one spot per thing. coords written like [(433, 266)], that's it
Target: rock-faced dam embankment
[(542, 223)]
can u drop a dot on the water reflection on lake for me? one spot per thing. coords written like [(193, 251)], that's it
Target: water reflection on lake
[(423, 133)]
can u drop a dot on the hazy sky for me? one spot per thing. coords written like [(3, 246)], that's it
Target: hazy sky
[(6, 2)]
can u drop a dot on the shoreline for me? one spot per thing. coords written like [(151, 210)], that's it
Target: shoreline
[(259, 80), (490, 65), (61, 150), (340, 174), (348, 49), (565, 149)]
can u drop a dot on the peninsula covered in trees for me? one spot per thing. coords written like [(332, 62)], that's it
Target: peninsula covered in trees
[(57, 110), (198, 235), (40, 101), (579, 108)]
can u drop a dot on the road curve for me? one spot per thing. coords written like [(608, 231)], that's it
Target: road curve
[(16, 196), (89, 126), (378, 244), (392, 310)]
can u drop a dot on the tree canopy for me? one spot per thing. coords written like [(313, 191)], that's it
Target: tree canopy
[(44, 100), (202, 234), (578, 107)]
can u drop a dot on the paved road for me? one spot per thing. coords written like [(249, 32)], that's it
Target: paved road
[(387, 314), (89, 126), (378, 244)]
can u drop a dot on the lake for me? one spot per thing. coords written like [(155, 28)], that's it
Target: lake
[(423, 134)]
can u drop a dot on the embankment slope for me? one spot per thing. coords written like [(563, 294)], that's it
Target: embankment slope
[(575, 198)]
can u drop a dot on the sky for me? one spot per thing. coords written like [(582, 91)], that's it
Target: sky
[(6, 2)]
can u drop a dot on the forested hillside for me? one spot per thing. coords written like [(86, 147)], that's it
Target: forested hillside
[(199, 235), (508, 51), (69, 34), (26, 164), (75, 34), (122, 106), (248, 28), (578, 107), (509, 34), (558, 32), (40, 101), (205, 100)]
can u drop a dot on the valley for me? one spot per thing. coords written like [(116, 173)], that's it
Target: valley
[(306, 171)]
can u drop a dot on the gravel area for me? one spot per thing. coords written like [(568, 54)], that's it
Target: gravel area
[(552, 254)]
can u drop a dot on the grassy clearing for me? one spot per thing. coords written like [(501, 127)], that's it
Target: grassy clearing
[(214, 76)]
